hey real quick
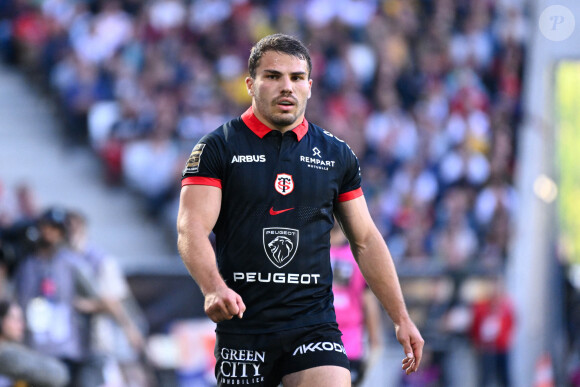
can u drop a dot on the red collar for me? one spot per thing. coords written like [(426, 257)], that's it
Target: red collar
[(260, 129)]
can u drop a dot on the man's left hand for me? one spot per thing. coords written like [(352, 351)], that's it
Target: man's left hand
[(410, 338)]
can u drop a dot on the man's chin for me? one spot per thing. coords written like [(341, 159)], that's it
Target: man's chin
[(284, 119)]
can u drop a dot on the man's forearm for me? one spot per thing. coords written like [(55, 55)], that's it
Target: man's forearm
[(199, 258), (379, 271), (198, 212)]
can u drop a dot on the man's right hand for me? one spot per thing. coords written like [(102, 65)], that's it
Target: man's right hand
[(224, 304)]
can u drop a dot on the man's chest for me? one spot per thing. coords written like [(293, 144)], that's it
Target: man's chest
[(282, 170)]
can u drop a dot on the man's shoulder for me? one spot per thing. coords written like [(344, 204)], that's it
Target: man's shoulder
[(326, 136), (225, 132), (73, 260)]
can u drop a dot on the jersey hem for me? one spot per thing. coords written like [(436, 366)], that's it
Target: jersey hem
[(236, 327)]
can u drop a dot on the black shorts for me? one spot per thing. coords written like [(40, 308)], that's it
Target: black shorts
[(263, 359)]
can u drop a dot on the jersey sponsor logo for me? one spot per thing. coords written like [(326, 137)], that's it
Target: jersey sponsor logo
[(278, 278), (192, 165), (316, 160), (284, 183), (321, 346), (317, 163), (280, 244), (278, 212), (248, 159), (241, 366)]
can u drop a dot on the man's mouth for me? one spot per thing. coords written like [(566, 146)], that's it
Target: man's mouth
[(285, 104)]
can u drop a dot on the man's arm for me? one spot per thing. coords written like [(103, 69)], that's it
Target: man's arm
[(199, 208), (376, 265)]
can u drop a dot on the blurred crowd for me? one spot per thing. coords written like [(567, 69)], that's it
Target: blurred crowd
[(426, 92), (67, 314)]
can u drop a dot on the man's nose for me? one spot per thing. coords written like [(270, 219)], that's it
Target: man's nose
[(286, 85)]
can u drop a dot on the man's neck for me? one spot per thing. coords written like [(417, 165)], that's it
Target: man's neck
[(275, 127)]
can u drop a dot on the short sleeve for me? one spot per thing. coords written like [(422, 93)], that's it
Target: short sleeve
[(204, 165), (351, 183)]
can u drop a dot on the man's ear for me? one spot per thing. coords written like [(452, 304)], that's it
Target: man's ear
[(250, 86)]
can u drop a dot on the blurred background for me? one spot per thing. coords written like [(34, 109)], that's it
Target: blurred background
[(465, 116)]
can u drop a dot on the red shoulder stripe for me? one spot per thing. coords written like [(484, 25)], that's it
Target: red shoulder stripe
[(344, 197), (197, 180)]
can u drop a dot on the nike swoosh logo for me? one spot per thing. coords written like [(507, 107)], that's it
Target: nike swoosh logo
[(274, 212)]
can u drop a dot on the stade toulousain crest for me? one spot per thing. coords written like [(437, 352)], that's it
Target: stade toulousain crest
[(284, 183), (280, 244)]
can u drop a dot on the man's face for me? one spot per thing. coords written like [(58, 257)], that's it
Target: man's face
[(51, 234), (13, 324), (280, 90)]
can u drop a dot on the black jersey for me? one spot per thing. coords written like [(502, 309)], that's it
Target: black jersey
[(279, 192)]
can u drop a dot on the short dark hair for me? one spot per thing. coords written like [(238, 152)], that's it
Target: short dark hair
[(54, 216), (281, 43)]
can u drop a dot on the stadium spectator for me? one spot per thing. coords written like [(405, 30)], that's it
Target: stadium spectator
[(116, 327), (49, 284), (492, 332), (357, 310), (19, 209), (19, 364)]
